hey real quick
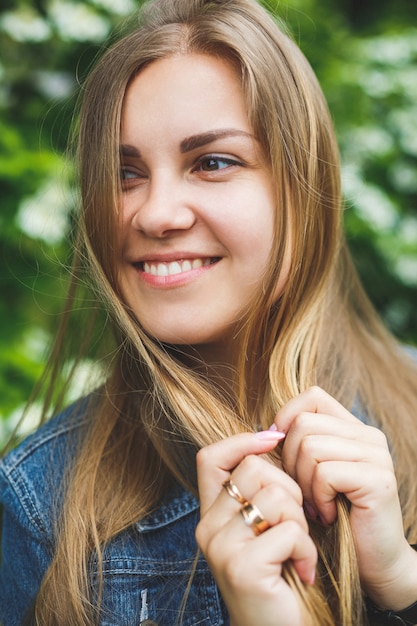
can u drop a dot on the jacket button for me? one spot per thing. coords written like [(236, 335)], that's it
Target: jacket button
[(148, 622)]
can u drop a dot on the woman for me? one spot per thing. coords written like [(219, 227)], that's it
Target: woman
[(211, 227)]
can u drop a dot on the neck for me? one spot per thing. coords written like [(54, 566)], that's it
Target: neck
[(215, 362)]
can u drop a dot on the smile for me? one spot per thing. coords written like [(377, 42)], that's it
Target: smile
[(175, 267)]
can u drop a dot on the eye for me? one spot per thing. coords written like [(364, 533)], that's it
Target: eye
[(214, 163), (126, 174), (131, 177)]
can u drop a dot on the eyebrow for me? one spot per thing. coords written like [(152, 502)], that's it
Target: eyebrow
[(197, 141), (193, 142), (126, 150)]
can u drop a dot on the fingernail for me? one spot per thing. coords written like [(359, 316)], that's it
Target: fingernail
[(312, 578), (273, 427), (270, 435)]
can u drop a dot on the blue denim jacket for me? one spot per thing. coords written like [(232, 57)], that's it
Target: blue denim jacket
[(146, 568)]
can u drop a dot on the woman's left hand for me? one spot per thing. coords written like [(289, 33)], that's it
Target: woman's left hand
[(329, 452)]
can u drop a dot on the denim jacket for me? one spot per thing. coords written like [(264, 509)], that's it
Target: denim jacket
[(146, 568)]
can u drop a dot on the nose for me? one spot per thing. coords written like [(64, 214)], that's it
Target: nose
[(163, 207)]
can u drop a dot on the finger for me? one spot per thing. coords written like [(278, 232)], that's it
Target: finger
[(255, 473), (277, 505), (216, 462), (274, 503), (285, 541), (251, 478), (305, 424), (313, 400), (301, 460), (236, 547), (370, 489)]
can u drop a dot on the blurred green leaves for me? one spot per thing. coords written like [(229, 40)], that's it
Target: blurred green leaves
[(366, 61)]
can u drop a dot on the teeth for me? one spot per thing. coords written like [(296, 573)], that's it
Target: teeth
[(176, 267)]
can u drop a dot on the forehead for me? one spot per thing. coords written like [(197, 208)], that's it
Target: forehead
[(193, 91)]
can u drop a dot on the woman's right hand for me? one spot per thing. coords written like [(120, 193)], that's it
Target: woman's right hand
[(248, 567)]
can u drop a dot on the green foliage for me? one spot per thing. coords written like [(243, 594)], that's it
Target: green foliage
[(365, 56)]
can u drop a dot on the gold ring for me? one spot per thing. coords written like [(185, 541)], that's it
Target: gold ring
[(234, 492), (254, 518)]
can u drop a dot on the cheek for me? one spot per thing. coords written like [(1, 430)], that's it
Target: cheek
[(254, 222)]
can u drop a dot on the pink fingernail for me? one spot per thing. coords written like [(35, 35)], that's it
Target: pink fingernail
[(313, 578), (271, 435), (273, 427)]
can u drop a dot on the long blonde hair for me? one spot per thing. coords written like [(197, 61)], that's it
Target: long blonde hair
[(154, 412)]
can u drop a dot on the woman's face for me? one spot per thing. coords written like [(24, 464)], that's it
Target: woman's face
[(197, 208)]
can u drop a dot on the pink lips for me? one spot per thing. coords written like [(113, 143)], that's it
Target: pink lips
[(174, 272)]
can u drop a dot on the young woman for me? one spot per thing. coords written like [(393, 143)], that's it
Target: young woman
[(232, 467)]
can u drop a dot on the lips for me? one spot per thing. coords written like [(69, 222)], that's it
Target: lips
[(172, 268)]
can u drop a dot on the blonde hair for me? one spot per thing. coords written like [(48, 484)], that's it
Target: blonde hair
[(154, 412)]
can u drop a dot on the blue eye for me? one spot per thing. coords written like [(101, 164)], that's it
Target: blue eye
[(126, 174)]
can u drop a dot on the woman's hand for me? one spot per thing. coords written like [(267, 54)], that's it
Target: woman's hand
[(248, 568), (329, 452)]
